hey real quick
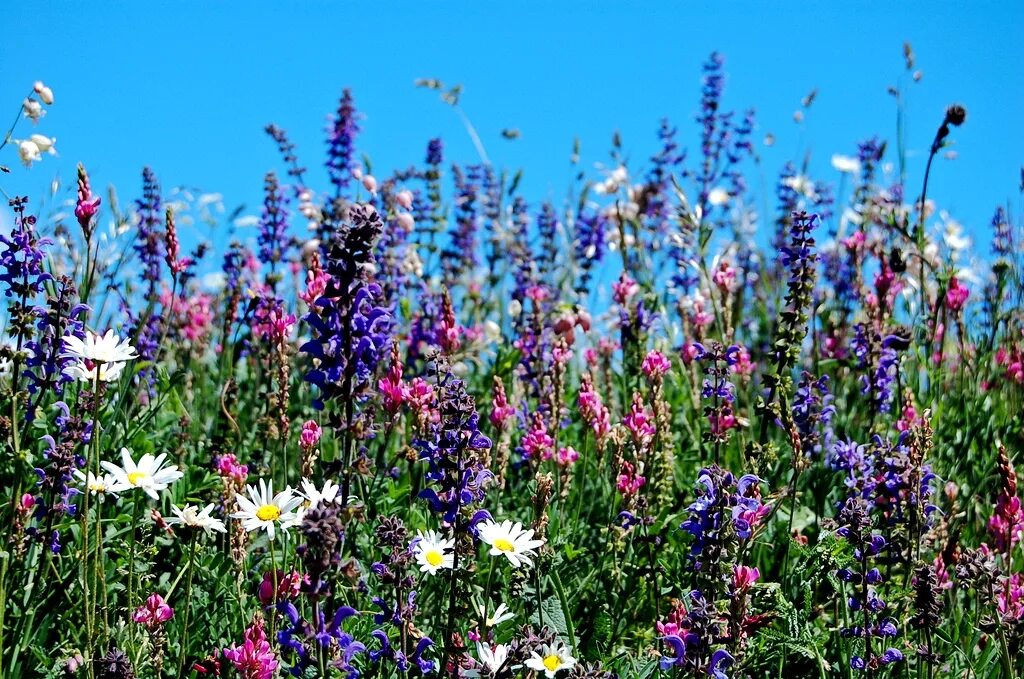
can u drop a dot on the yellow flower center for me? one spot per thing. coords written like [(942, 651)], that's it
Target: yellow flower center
[(135, 478), (434, 557), (505, 546), (552, 662), (268, 513)]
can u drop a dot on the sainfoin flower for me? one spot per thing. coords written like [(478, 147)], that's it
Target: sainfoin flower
[(191, 516), (263, 509), (433, 552), (255, 658), (154, 613), (509, 540), (552, 659), (149, 474)]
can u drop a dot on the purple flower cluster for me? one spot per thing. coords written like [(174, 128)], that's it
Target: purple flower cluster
[(46, 360), (690, 635), (341, 144), (149, 245), (351, 331), (273, 234), (812, 412), (452, 447)]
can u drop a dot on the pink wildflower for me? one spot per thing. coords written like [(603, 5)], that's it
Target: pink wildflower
[(567, 456), (392, 390), (628, 481), (743, 577), (624, 289), (501, 411), (655, 364), (254, 659), (154, 613), (538, 444), (229, 467), (310, 435), (288, 587), (956, 295), (639, 422)]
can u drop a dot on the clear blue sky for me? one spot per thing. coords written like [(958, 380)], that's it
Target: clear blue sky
[(187, 87)]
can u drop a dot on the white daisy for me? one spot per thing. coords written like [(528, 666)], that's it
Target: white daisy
[(512, 541), (718, 196), (107, 348), (149, 474), (83, 372), (434, 552), (98, 485), (555, 658), (263, 509), (313, 498), (492, 658), (501, 614), (847, 164), (192, 517)]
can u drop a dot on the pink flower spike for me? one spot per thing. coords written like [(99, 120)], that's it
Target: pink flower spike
[(153, 613)]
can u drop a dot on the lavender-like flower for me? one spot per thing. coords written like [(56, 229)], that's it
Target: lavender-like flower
[(273, 235), (46, 363), (149, 243), (341, 144)]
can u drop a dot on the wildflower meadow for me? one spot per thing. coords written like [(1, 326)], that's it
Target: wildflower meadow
[(665, 422)]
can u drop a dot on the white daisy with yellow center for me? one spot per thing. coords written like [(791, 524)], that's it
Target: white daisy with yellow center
[(509, 540), (312, 498), (551, 660), (149, 474), (263, 509), (191, 516), (433, 552), (501, 614), (97, 485)]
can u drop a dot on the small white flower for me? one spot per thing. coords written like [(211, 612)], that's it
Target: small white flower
[(98, 485), (263, 509), (44, 92), (803, 185), (149, 474), (32, 109), (434, 552), (511, 541), (501, 614), (192, 517), (556, 657), (45, 144), (492, 658), (315, 497), (846, 164), (718, 196), (28, 152)]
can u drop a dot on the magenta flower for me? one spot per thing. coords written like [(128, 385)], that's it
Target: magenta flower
[(639, 422), (310, 435), (254, 659), (538, 444), (154, 613), (629, 482), (567, 456), (392, 390), (501, 410), (288, 586), (228, 467), (743, 577), (956, 295), (624, 289), (655, 364), (593, 410)]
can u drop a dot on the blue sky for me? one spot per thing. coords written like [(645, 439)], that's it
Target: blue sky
[(186, 87)]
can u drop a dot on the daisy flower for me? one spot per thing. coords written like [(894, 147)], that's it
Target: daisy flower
[(106, 354), (512, 541), (314, 499), (555, 657), (192, 517), (501, 614), (108, 348), (83, 372), (433, 552), (98, 485), (492, 658), (263, 509), (149, 474)]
